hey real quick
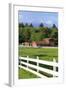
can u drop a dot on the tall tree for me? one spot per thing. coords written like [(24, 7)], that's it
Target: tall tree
[(41, 25), (31, 25), (26, 24), (21, 35), (21, 24), (54, 26)]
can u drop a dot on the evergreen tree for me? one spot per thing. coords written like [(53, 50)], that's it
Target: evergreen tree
[(41, 25), (31, 25)]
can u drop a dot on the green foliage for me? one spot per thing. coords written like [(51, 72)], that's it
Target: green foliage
[(21, 25), (31, 25), (36, 35), (54, 33), (28, 33), (21, 35)]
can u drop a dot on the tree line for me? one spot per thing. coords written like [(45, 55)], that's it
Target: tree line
[(29, 33)]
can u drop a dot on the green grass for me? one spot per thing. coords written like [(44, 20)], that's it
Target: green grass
[(42, 53), (23, 74)]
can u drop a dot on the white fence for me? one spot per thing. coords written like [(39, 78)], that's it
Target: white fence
[(24, 63)]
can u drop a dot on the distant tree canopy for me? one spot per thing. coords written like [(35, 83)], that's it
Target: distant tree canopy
[(41, 25), (29, 33), (54, 26), (31, 25), (21, 25)]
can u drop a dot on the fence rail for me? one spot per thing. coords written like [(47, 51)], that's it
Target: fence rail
[(24, 63)]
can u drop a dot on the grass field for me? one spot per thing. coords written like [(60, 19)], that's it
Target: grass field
[(42, 53), (23, 74)]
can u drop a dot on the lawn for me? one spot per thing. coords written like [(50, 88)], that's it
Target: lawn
[(23, 74), (42, 53)]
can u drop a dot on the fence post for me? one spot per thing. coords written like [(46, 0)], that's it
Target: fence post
[(27, 61), (37, 64), (19, 63), (54, 67)]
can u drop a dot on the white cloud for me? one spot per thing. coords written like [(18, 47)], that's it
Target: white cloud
[(49, 22)]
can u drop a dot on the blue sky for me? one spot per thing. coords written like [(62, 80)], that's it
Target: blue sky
[(47, 18)]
